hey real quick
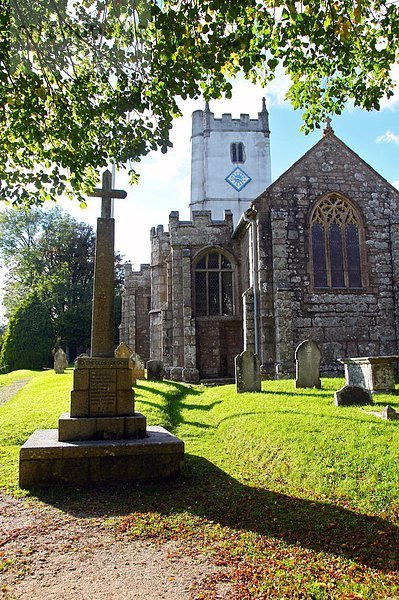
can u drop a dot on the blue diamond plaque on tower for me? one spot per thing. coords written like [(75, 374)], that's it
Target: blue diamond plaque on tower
[(238, 179)]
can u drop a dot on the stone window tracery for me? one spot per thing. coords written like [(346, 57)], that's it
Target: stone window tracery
[(335, 229), (213, 285)]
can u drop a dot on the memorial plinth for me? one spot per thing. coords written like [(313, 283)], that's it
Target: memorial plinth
[(374, 373), (44, 460), (102, 439)]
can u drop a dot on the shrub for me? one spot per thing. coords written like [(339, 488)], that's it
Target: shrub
[(29, 338)]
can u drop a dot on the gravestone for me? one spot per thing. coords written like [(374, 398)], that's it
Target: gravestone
[(352, 395), (60, 361), (155, 370), (175, 373), (102, 440), (307, 359), (247, 371), (388, 413), (137, 366), (124, 351)]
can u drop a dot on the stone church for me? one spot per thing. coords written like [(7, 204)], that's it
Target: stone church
[(264, 265)]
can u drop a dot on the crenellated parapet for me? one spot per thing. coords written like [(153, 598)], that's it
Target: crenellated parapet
[(201, 230), (204, 121)]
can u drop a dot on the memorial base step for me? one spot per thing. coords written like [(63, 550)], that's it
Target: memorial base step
[(101, 428), (44, 460)]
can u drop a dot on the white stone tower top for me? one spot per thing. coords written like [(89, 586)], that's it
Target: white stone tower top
[(230, 161)]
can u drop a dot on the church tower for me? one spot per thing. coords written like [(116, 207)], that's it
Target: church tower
[(230, 161)]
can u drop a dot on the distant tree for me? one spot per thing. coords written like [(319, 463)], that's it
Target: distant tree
[(52, 253), (29, 339), (46, 250)]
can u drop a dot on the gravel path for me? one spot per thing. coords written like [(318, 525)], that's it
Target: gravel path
[(46, 554), (8, 391)]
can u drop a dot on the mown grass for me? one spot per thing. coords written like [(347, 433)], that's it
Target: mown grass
[(291, 496), (37, 405)]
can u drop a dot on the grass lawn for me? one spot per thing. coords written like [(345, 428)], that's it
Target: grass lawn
[(292, 496)]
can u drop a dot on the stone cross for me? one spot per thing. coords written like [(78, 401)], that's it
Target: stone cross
[(102, 324), (106, 193), (328, 129)]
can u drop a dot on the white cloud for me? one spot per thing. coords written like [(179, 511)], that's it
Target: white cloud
[(388, 137), (396, 184)]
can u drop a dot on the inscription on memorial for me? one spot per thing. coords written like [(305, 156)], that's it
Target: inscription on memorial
[(384, 378), (102, 392)]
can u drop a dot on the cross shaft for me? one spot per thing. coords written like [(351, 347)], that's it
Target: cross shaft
[(102, 325)]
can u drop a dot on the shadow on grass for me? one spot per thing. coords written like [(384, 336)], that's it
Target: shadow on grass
[(210, 493), (307, 414), (175, 402)]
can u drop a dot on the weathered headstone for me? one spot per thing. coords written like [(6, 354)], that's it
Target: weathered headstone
[(60, 361), (124, 351), (175, 373), (101, 439), (352, 395), (247, 371), (307, 359), (155, 370), (190, 375), (137, 366)]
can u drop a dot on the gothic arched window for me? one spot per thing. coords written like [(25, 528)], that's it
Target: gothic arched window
[(213, 285), (335, 244)]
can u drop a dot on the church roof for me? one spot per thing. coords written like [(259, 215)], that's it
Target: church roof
[(309, 168), (327, 139)]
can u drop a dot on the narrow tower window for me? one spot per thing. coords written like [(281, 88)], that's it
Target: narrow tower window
[(237, 152)]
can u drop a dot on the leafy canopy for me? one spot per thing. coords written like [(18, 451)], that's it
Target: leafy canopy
[(88, 82)]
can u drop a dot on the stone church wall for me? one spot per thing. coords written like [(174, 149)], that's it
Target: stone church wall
[(136, 300), (178, 337), (344, 322), (395, 269), (160, 318)]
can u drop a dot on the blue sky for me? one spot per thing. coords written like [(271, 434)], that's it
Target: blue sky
[(165, 179)]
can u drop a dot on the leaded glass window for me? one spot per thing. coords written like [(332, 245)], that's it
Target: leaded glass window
[(214, 285), (335, 244)]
